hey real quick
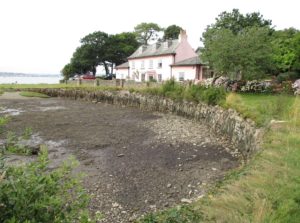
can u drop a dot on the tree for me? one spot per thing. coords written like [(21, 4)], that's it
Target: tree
[(236, 22), (68, 71), (94, 48), (238, 45), (285, 49), (246, 55), (172, 32), (120, 47), (84, 59), (146, 32)]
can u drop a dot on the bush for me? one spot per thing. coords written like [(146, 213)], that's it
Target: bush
[(32, 193), (288, 76)]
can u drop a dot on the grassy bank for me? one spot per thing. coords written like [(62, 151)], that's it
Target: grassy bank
[(268, 188)]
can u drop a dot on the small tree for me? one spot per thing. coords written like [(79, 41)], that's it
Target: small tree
[(172, 32), (146, 32)]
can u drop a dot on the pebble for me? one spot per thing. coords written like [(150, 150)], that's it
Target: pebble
[(169, 185), (120, 155), (185, 200)]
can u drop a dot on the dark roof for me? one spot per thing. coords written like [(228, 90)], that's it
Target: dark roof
[(152, 50), (188, 62), (123, 65)]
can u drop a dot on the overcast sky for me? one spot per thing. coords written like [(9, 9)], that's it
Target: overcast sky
[(39, 36)]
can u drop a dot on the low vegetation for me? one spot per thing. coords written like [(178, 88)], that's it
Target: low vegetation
[(33, 94), (34, 193)]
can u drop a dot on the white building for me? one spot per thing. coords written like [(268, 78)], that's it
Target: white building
[(162, 61)]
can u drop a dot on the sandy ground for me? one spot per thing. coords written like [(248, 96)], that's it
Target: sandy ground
[(136, 162)]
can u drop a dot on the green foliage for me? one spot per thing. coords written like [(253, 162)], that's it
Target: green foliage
[(146, 32), (246, 55), (121, 46), (238, 45), (180, 214), (237, 22), (33, 94), (172, 32), (196, 93), (284, 46), (27, 133), (32, 193), (288, 76)]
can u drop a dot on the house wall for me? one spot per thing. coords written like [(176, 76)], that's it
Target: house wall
[(189, 72), (184, 51), (122, 73), (136, 72)]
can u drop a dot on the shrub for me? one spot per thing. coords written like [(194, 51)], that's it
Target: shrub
[(288, 76), (32, 193), (213, 95)]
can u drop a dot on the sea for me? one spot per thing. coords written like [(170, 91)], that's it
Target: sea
[(21, 78)]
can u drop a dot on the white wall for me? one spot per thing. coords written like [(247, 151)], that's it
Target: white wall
[(165, 70), (122, 73), (189, 72)]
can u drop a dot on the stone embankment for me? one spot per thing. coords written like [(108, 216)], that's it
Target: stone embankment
[(242, 134)]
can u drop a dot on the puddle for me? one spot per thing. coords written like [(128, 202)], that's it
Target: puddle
[(52, 108), (11, 111)]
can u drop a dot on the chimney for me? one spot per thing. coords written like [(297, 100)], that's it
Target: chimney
[(182, 36)]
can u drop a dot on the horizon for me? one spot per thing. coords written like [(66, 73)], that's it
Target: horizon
[(40, 37)]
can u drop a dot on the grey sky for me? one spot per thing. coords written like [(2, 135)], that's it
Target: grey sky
[(39, 36)]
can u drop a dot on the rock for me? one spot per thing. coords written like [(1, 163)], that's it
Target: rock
[(169, 185), (120, 155), (115, 205), (185, 200), (214, 169)]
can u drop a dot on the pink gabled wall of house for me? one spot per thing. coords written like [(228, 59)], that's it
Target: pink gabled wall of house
[(184, 50)]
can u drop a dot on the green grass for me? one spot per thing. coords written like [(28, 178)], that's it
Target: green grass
[(265, 190), (33, 94)]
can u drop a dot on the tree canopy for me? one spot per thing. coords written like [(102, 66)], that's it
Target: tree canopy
[(146, 32), (238, 45), (172, 32), (285, 54)]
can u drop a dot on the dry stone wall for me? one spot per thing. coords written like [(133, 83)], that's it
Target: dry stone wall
[(242, 133)]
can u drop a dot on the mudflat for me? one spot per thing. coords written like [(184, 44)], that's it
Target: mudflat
[(135, 162)]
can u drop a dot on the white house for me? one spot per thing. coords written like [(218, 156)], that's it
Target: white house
[(162, 61)]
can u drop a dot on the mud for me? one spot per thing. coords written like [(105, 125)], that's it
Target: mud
[(135, 162)]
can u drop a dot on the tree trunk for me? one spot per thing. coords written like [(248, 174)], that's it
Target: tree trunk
[(112, 68), (94, 71), (106, 67)]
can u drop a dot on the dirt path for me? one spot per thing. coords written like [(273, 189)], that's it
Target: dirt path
[(135, 161)]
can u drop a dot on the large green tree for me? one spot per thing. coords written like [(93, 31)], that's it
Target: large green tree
[(238, 45), (172, 32), (120, 47), (146, 32), (285, 55)]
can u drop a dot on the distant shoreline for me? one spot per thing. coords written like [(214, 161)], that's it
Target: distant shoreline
[(8, 74)]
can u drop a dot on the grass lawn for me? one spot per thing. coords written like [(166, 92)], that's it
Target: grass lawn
[(33, 94)]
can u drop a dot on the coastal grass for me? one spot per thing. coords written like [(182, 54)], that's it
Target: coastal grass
[(33, 94), (267, 189)]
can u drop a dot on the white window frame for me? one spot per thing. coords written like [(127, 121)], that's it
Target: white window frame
[(150, 64)]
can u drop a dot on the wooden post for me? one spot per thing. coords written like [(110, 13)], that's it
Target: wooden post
[(79, 82), (96, 82)]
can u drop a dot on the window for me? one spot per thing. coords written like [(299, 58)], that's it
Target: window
[(159, 77), (133, 64), (143, 64), (159, 64), (150, 64), (181, 76)]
